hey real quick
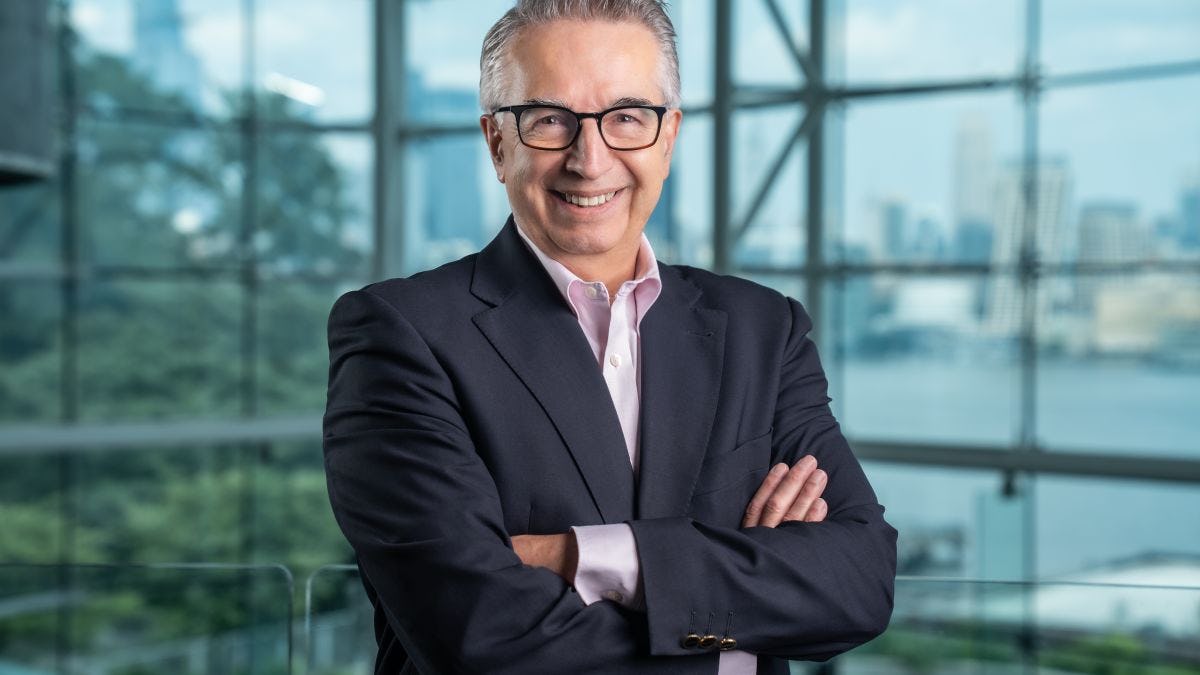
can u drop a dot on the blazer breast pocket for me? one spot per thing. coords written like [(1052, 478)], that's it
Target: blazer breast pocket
[(728, 481)]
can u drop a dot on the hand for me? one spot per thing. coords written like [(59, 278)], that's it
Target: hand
[(789, 494), (556, 552)]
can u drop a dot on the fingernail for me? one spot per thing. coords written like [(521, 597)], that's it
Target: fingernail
[(779, 469)]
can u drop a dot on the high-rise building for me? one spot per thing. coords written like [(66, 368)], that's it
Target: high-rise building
[(1053, 182), (974, 190), (159, 52), (1189, 214)]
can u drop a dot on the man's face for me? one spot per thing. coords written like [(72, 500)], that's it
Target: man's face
[(587, 66)]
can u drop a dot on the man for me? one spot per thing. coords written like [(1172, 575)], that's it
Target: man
[(559, 456)]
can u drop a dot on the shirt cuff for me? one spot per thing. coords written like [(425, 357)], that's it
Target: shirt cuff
[(608, 567)]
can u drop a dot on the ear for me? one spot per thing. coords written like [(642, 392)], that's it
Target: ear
[(494, 139), (670, 130)]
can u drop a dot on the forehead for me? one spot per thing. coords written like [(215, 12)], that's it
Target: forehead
[(586, 64)]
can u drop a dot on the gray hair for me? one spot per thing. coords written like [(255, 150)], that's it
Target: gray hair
[(498, 42)]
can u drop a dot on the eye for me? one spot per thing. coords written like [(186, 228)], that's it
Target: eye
[(549, 120)]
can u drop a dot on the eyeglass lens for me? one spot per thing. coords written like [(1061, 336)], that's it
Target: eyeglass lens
[(554, 128)]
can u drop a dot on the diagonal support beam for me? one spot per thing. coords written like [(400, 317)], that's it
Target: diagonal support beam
[(764, 189), (785, 34)]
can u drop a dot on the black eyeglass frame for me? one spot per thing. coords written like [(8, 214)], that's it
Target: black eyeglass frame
[(518, 110)]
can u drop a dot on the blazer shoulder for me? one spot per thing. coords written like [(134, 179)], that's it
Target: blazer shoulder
[(426, 296), (730, 293)]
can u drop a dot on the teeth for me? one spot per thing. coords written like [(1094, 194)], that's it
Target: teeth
[(587, 201)]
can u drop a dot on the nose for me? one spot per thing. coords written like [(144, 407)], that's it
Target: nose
[(589, 156)]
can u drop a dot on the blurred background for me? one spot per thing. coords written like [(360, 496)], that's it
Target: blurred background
[(991, 209)]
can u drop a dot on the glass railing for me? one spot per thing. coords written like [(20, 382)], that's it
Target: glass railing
[(182, 619), (235, 619)]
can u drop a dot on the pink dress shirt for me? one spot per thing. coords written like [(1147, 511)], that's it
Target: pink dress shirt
[(608, 566)]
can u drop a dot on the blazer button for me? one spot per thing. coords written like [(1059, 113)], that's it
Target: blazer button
[(708, 641), (726, 644), (690, 641)]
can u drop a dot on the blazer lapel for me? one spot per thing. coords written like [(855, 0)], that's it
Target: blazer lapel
[(683, 347), (534, 331)]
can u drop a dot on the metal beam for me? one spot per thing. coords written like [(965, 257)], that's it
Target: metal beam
[(768, 179), (785, 34), (1063, 463)]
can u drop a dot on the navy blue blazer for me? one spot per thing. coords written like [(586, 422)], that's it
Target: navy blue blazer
[(465, 406)]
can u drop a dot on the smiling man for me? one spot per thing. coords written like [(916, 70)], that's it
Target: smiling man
[(559, 455)]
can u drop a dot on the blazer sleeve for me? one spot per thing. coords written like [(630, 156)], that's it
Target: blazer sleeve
[(800, 590), (423, 515)]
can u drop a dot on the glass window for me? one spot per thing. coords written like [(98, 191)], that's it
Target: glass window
[(931, 180), (875, 41), (442, 41), (774, 235), (1130, 154), (30, 224), (1083, 35), (681, 228), (157, 196), (1120, 364), (30, 352), (952, 522), (293, 356), (926, 358), (314, 205), (314, 59), (164, 55), (453, 203), (36, 521), (762, 55), (694, 44), (1116, 531), (159, 349)]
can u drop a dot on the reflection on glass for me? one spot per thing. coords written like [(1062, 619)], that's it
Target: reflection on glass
[(1120, 363), (1117, 531), (774, 236), (145, 619), (1082, 35), (317, 55), (875, 41), (177, 55), (314, 203), (1131, 152), (932, 180), (36, 524), (158, 196), (30, 352), (159, 349), (926, 358), (30, 223), (338, 623)]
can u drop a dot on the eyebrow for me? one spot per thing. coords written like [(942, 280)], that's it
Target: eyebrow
[(623, 101)]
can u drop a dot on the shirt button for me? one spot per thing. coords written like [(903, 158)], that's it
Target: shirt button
[(591, 292), (615, 360), (615, 596)]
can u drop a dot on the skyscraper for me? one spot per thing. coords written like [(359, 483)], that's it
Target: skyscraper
[(971, 227), (159, 52), (1053, 182)]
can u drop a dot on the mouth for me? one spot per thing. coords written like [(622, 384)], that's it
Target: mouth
[(586, 201)]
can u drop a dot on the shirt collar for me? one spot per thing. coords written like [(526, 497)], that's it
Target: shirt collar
[(645, 270)]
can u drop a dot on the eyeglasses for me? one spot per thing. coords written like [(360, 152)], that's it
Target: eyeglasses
[(551, 127)]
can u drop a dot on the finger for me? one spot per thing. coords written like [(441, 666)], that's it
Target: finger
[(811, 490), (755, 507), (786, 492), (817, 512)]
